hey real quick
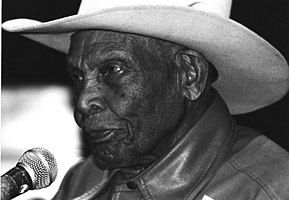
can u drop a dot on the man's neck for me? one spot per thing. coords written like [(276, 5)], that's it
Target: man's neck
[(194, 111)]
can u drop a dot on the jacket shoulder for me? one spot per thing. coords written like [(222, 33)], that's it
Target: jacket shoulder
[(257, 168)]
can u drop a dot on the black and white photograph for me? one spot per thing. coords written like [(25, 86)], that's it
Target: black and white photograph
[(145, 100)]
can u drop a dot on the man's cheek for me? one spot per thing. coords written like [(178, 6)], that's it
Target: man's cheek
[(124, 101)]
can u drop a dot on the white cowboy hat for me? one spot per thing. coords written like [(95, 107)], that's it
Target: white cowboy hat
[(252, 73)]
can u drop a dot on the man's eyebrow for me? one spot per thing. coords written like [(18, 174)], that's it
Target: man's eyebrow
[(98, 58), (121, 56)]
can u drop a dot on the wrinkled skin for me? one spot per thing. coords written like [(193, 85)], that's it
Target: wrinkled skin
[(128, 98)]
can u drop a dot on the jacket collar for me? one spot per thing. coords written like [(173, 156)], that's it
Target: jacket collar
[(188, 167)]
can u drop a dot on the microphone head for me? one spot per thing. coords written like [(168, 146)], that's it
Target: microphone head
[(40, 165)]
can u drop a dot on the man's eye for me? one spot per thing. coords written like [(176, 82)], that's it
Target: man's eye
[(112, 69)]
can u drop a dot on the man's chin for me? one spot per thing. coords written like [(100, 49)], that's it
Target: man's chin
[(109, 157)]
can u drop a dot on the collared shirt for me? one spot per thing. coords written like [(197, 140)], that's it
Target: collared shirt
[(215, 160)]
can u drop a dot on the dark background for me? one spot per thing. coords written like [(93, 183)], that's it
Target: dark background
[(27, 63)]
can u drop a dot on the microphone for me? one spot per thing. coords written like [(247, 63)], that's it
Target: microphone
[(36, 169)]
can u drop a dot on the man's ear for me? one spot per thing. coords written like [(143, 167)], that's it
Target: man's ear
[(194, 72)]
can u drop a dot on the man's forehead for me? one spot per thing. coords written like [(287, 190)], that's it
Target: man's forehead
[(89, 37), (84, 43), (96, 44)]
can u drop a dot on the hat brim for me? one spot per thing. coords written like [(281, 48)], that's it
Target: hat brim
[(252, 73)]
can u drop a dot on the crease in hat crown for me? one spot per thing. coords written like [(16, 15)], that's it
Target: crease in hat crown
[(219, 7)]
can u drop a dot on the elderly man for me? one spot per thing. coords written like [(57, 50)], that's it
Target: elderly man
[(143, 97)]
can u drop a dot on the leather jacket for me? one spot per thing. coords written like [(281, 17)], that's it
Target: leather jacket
[(215, 160)]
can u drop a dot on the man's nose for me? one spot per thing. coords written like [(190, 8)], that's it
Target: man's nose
[(90, 102)]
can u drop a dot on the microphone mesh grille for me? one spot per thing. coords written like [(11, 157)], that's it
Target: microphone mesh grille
[(43, 165)]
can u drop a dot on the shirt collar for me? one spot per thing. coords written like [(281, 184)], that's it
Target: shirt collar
[(186, 169)]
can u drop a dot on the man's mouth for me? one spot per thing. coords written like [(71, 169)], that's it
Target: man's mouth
[(101, 135)]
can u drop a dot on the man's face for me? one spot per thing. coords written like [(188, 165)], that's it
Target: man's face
[(126, 98)]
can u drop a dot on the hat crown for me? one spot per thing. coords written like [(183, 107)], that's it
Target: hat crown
[(220, 7)]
